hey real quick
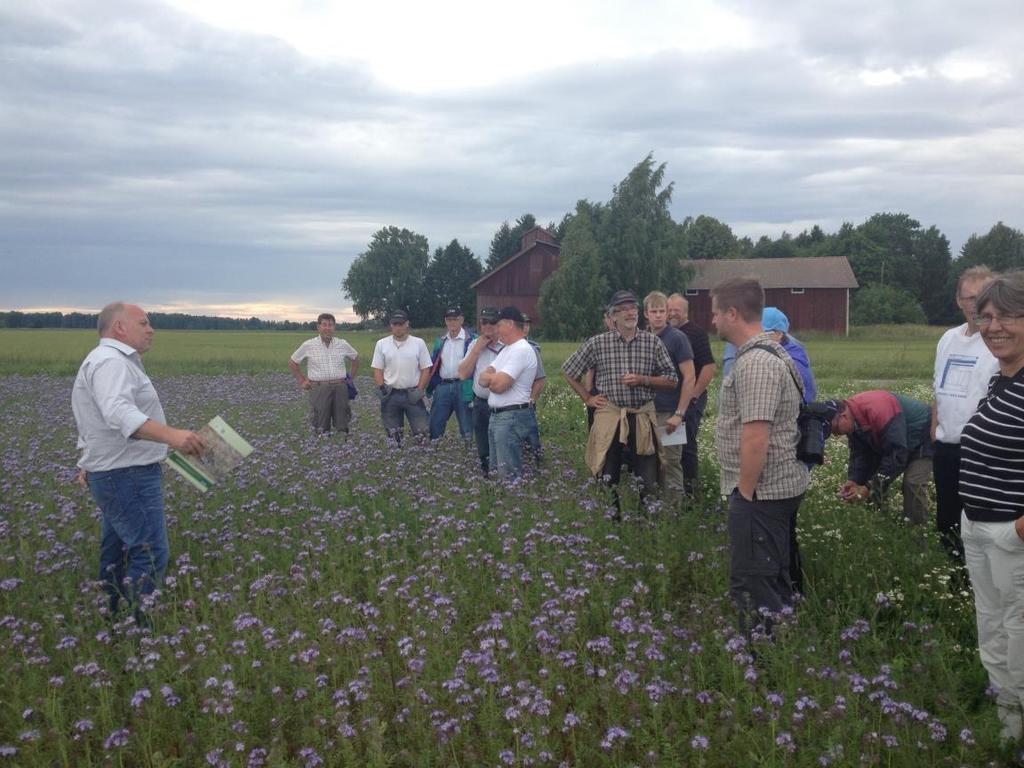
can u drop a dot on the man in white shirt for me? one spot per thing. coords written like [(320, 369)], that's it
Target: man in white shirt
[(481, 354), (123, 437), (401, 369), (963, 367), (510, 378), (325, 375), (449, 393)]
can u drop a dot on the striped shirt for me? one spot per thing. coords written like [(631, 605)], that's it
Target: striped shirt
[(613, 357), (326, 361), (992, 454)]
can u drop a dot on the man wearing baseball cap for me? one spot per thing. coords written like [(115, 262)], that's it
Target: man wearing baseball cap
[(450, 393), (480, 356), (401, 370), (509, 379), (629, 365)]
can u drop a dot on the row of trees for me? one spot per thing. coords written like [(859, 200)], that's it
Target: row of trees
[(397, 271), (163, 320), (906, 271)]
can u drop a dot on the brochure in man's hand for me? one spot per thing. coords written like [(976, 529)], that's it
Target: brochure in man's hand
[(675, 438), (225, 450)]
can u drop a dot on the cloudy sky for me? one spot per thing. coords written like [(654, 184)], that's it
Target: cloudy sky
[(231, 157)]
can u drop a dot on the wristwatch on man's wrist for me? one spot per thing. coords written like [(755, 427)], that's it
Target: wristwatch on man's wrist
[(678, 413)]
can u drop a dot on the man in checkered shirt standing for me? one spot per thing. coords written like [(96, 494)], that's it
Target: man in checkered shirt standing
[(757, 438), (629, 365), (325, 375)]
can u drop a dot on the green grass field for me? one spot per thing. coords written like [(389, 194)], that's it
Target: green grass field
[(882, 356)]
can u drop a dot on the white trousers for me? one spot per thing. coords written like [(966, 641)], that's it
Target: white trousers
[(995, 560)]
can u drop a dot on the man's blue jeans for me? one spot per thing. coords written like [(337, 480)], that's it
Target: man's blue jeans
[(508, 431), (133, 539), (448, 398)]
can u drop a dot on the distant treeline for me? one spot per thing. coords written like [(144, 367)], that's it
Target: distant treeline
[(162, 320)]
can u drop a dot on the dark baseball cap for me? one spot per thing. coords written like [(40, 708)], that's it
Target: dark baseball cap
[(489, 315), (511, 313), (399, 316), (453, 311), (623, 297)]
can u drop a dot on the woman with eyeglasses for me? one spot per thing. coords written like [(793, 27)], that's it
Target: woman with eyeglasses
[(992, 489)]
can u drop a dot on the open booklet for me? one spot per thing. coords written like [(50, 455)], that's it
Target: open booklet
[(225, 450)]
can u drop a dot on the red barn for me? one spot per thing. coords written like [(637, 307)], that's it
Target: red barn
[(517, 280), (813, 292)]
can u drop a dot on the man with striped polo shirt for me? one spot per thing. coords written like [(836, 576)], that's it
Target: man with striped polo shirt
[(325, 375)]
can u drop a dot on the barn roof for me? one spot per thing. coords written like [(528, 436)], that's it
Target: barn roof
[(531, 239), (808, 272)]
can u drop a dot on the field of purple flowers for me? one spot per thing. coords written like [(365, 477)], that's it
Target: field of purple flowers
[(356, 604)]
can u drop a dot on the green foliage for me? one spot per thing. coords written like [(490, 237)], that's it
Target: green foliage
[(449, 276), (631, 242), (937, 287), (1001, 249), (160, 320), (639, 243), (572, 299), (389, 276), (783, 248), (708, 238), (508, 240), (885, 304)]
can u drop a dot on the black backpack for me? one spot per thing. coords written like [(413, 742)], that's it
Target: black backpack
[(814, 421)]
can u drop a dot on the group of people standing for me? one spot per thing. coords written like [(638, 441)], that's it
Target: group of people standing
[(642, 387), (489, 382)]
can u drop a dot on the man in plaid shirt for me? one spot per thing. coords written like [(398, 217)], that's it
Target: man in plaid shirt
[(757, 437), (629, 365)]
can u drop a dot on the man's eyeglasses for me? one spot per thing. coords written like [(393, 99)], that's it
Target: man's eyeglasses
[(487, 322), (984, 321)]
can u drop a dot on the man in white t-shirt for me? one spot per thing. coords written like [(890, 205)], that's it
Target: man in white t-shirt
[(401, 369), (325, 375), (510, 378), (963, 367), (479, 357)]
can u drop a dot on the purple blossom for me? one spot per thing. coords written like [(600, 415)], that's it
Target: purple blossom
[(116, 739), (612, 735)]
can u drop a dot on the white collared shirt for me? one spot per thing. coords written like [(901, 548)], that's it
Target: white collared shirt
[(112, 397), (452, 353), (326, 361), (401, 362)]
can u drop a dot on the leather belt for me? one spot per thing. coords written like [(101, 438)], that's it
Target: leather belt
[(516, 407), (327, 381)]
